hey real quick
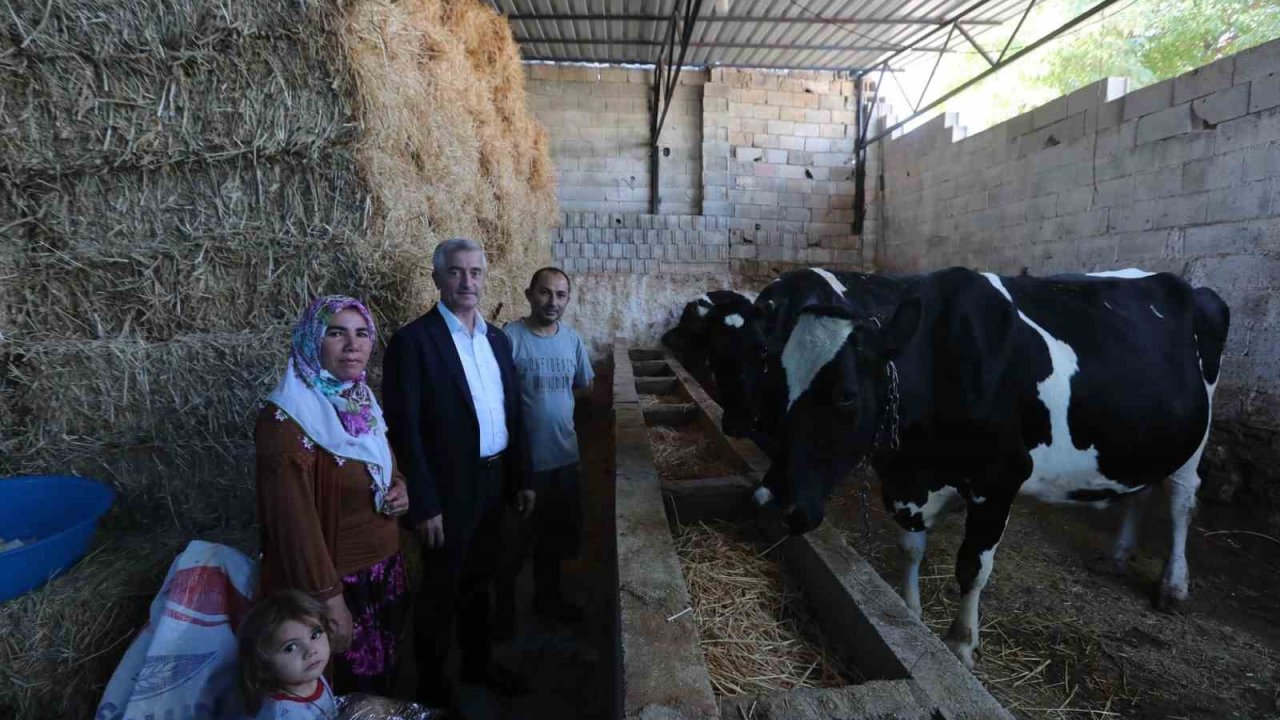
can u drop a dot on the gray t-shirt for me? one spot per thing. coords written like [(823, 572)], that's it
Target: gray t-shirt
[(550, 368)]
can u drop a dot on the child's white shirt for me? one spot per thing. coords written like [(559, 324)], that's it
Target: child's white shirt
[(319, 705)]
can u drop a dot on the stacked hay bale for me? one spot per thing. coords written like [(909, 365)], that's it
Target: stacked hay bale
[(178, 179)]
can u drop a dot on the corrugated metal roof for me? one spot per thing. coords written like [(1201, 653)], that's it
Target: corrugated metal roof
[(820, 34)]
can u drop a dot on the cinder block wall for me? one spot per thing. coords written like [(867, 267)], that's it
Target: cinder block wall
[(1182, 176), (765, 156), (755, 176), (598, 119)]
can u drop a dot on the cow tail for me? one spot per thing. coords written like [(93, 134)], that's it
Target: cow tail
[(1211, 319)]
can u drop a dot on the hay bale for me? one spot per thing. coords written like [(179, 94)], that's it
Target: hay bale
[(177, 179), (755, 629), (60, 643), (449, 147)]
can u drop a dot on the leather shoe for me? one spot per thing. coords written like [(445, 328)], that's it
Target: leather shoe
[(498, 679), (558, 609)]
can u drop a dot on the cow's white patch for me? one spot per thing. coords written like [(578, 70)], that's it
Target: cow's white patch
[(734, 321), (963, 636), (813, 343), (704, 305), (762, 496), (1058, 467), (911, 545), (832, 280), (1157, 312), (1127, 273), (938, 503), (1183, 484), (978, 499)]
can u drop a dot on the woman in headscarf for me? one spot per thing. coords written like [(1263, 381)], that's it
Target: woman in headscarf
[(329, 493)]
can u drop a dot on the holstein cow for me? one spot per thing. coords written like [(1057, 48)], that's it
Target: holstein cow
[(722, 338), (1071, 388), (689, 339)]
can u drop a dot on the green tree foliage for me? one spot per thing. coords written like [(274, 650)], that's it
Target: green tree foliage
[(1150, 40), (1143, 40)]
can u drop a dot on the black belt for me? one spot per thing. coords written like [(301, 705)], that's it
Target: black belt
[(492, 459)]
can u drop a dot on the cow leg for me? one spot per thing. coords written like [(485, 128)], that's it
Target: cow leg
[(911, 545), (983, 528), (916, 523), (1175, 585), (1127, 538)]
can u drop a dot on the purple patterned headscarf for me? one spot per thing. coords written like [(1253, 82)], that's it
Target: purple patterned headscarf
[(352, 399)]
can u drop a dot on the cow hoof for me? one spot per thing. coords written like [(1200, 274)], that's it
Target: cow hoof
[(962, 644), (963, 651), (1169, 600), (1109, 565)]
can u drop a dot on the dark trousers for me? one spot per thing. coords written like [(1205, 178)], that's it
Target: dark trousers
[(456, 583), (554, 532)]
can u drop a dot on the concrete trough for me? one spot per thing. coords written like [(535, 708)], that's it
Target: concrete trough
[(907, 672)]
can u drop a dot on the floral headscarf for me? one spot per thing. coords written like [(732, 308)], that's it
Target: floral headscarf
[(352, 399)]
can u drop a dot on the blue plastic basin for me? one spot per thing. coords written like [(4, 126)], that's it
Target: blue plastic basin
[(61, 512)]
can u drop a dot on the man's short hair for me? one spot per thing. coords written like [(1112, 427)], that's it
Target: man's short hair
[(453, 245), (550, 269)]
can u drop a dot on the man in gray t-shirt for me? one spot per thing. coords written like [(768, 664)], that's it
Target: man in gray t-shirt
[(554, 368)]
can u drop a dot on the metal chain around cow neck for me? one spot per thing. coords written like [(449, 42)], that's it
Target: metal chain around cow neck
[(888, 426)]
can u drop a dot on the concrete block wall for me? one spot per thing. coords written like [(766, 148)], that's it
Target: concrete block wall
[(1181, 176), (770, 154), (755, 178), (589, 242), (598, 120), (778, 161)]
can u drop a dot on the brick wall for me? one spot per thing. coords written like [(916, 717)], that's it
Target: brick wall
[(1182, 176)]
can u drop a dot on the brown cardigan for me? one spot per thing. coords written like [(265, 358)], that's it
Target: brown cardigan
[(316, 517)]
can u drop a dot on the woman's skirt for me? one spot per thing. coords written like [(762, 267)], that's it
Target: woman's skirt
[(376, 597)]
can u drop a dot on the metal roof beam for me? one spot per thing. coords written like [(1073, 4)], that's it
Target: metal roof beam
[(730, 45), (805, 20), (999, 65), (741, 66)]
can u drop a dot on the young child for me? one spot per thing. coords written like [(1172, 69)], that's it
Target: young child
[(284, 648)]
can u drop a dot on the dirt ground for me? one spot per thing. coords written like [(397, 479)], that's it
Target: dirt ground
[(1064, 638)]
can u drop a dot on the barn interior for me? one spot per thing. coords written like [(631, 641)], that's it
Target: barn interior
[(180, 179)]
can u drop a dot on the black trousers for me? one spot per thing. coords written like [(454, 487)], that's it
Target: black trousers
[(554, 533), (455, 589)]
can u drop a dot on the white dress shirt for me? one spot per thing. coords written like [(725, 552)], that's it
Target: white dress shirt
[(483, 379)]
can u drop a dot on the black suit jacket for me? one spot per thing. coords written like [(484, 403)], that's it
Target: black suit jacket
[(431, 422)]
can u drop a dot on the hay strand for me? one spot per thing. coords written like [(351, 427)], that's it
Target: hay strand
[(686, 453), (753, 626)]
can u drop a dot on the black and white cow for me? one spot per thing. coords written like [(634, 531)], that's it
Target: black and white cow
[(1070, 389), (690, 340)]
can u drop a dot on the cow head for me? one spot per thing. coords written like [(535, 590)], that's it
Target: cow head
[(737, 359), (840, 389)]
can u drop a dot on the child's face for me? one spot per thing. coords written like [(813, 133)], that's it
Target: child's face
[(300, 650)]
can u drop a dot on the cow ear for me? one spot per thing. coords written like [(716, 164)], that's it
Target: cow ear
[(902, 327)]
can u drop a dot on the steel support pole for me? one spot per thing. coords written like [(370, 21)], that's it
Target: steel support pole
[(859, 159)]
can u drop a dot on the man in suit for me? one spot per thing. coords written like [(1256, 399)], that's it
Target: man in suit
[(452, 403)]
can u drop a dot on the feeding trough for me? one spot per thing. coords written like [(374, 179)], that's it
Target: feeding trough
[(689, 545)]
